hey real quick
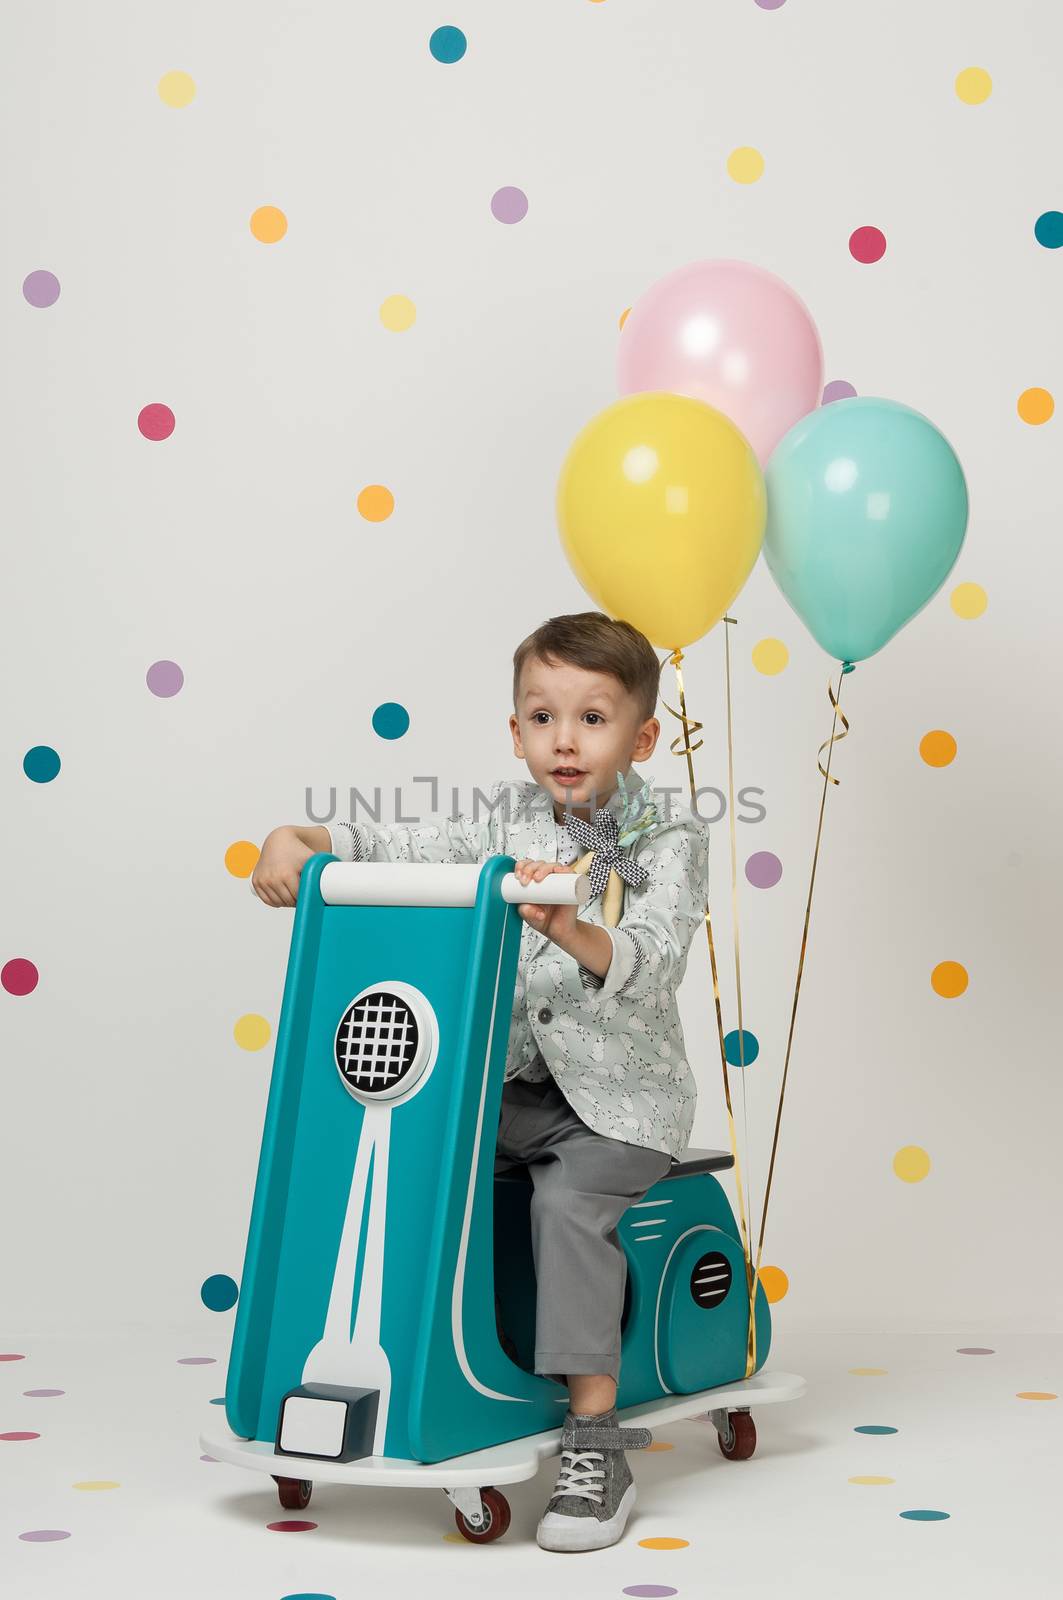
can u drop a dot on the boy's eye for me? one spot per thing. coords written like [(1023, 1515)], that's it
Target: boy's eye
[(537, 714)]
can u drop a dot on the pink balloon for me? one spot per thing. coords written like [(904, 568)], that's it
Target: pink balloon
[(733, 335)]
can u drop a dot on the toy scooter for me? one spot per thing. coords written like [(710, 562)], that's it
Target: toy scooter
[(367, 1347)]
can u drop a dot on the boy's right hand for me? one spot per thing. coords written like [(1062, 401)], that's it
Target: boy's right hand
[(276, 877)]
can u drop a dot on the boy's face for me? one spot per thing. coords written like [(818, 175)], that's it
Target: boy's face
[(569, 717)]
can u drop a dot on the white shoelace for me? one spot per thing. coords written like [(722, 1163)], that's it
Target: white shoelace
[(577, 1477)]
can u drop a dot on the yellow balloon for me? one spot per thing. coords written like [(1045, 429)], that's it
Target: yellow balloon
[(661, 506)]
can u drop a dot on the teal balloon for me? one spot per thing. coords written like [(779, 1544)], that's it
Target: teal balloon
[(867, 511)]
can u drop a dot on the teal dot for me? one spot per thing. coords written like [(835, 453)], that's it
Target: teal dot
[(873, 1427), (448, 45), (41, 764), (219, 1292), (219, 1400), (314, 1596), (1048, 229), (391, 720), (750, 1046), (925, 1516)]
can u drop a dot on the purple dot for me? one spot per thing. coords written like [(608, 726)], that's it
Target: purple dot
[(41, 288), (42, 1394), (196, 1361), (974, 1350), (208, 1458), (837, 389), (44, 1535), (165, 678), (763, 869), (509, 205), (648, 1589), (770, 5)]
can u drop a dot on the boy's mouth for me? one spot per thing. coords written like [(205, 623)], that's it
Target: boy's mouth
[(567, 774)]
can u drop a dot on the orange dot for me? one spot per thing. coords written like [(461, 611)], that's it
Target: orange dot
[(624, 316), (775, 1283), (241, 858), (268, 224), (1035, 406), (1036, 1394), (664, 1544), (948, 979), (660, 1444), (937, 748), (376, 503)]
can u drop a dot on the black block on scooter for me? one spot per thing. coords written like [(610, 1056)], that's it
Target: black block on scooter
[(327, 1421)]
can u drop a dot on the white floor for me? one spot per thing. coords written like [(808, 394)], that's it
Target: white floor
[(790, 1522)]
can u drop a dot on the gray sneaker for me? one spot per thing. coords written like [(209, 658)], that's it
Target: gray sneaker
[(595, 1491)]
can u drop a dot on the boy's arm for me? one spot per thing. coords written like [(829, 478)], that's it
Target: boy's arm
[(653, 937), (443, 839)]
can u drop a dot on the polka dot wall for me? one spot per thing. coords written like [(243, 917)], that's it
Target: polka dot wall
[(336, 339)]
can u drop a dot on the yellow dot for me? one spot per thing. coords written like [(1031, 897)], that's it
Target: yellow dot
[(937, 748), (624, 315), (241, 858), (745, 165), (775, 1283), (97, 1483), (376, 503), (869, 1372), (949, 979), (251, 1032), (973, 85), (1036, 1394), (457, 1538), (176, 89), (770, 656), (660, 1444), (268, 224), (912, 1164), (872, 1480), (968, 599), (664, 1544), (398, 313), (1035, 406)]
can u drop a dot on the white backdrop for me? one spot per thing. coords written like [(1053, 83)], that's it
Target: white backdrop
[(131, 1116)]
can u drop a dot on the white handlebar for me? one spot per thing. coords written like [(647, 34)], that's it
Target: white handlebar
[(420, 883)]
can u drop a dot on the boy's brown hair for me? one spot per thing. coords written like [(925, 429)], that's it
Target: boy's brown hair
[(598, 643)]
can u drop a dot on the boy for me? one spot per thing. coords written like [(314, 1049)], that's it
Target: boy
[(598, 1097)]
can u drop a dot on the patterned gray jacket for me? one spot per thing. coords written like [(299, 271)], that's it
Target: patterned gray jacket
[(614, 1046)]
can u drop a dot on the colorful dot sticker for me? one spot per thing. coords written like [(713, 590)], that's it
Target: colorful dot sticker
[(509, 204), (94, 1485), (18, 1436), (292, 1526), (869, 1372), (745, 165), (448, 45), (1035, 406), (196, 1361), (775, 1284), (911, 1164), (18, 976), (251, 1032), (770, 656), (376, 503), (156, 421), (41, 764), (44, 1535), (973, 85), (664, 1544), (975, 1350), (937, 748), (874, 1427), (649, 1589), (872, 1480), (867, 244), (624, 316), (1048, 229), (268, 224), (741, 1047), (241, 858), (43, 1394), (219, 1292), (659, 1444), (837, 389), (763, 869), (164, 679), (968, 600), (1036, 1394), (11, 1355), (391, 720), (176, 89), (398, 313), (924, 1516), (949, 979), (40, 288)]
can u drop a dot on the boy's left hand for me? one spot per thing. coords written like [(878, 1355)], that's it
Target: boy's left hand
[(557, 922)]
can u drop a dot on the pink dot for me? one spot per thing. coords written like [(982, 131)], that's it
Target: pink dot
[(19, 976), (15, 1438), (156, 422), (867, 244), (763, 869), (41, 288), (208, 1458), (509, 204), (10, 1356), (291, 1527), (42, 1394), (44, 1535), (164, 678)]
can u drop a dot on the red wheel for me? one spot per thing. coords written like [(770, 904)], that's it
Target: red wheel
[(743, 1437), (496, 1518), (294, 1493)]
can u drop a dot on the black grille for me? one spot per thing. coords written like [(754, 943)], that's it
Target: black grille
[(376, 1042), (710, 1280)]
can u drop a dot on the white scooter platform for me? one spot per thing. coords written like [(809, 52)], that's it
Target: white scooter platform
[(501, 1463)]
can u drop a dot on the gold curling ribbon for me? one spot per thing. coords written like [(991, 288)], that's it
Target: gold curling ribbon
[(681, 745)]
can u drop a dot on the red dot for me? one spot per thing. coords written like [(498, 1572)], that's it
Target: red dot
[(11, 1356), (14, 1436), (19, 976), (156, 422), (867, 244), (290, 1527)]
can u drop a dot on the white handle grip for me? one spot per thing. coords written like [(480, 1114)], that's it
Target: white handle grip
[(558, 889), (424, 883)]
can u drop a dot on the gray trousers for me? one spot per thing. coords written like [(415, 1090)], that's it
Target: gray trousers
[(583, 1184)]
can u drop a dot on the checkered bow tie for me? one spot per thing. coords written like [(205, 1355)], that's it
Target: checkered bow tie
[(602, 837)]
